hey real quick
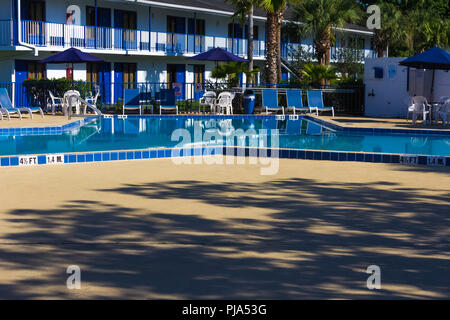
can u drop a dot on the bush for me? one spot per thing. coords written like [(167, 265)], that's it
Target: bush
[(37, 89)]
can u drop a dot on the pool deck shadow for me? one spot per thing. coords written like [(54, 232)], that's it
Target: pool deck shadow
[(281, 238)]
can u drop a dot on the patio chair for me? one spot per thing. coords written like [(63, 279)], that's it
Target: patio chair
[(131, 100), (437, 108), (270, 100), (168, 100), (418, 107), (224, 102), (208, 99), (444, 112), (294, 101), (145, 100), (55, 102), (315, 100), (70, 100), (6, 104)]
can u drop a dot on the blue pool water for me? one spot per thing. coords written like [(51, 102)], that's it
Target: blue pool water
[(153, 132)]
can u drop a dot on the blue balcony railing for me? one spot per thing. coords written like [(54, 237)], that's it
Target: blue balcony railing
[(60, 35)]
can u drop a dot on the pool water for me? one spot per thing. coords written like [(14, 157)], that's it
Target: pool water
[(154, 132)]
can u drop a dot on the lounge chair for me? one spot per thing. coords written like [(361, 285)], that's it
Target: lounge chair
[(131, 100), (270, 100), (168, 101), (315, 100), (8, 108), (294, 101)]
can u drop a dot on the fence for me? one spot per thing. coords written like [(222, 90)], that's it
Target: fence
[(345, 99)]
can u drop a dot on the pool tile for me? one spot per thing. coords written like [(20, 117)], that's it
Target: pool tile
[(309, 155), (167, 153), (138, 155), (145, 154), (130, 155), (5, 161), (42, 159), (97, 157), (326, 155), (122, 156), (72, 158), (334, 156), (386, 158), (89, 157), (377, 158), (160, 153), (153, 154), (114, 156), (317, 155), (351, 156), (81, 158), (360, 157), (342, 156), (106, 156), (368, 157), (422, 160), (13, 161)]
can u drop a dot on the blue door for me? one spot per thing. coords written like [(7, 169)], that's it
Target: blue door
[(105, 80), (181, 78), (21, 73), (118, 81)]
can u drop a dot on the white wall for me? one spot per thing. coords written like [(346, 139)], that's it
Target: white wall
[(390, 95)]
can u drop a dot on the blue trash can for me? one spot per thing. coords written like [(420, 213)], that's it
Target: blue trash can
[(249, 102)]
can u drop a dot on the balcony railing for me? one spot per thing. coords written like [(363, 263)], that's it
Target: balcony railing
[(49, 34)]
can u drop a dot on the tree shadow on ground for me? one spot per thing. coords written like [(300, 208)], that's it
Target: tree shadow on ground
[(295, 238)]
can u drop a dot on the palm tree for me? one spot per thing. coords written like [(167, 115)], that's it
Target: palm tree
[(275, 10), (391, 28), (244, 11), (319, 17), (316, 74)]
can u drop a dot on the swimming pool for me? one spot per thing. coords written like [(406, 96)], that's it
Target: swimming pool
[(134, 133)]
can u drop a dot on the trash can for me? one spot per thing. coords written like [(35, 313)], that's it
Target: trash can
[(249, 102)]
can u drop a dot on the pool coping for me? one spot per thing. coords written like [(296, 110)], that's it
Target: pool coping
[(282, 153)]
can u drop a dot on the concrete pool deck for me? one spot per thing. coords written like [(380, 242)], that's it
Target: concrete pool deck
[(153, 229), (38, 121), (386, 123)]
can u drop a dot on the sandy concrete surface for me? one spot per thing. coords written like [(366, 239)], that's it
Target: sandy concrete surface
[(368, 122), (153, 229), (38, 121)]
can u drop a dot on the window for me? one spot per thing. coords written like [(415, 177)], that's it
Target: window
[(92, 72), (196, 27), (199, 74), (176, 24), (36, 70), (36, 11), (255, 32), (235, 30), (129, 75)]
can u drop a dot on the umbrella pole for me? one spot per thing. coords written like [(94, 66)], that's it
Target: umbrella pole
[(432, 87)]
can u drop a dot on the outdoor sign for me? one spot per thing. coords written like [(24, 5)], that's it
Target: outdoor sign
[(198, 87), (28, 160), (177, 87), (55, 159)]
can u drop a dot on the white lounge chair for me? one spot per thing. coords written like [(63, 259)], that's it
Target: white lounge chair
[(8, 108)]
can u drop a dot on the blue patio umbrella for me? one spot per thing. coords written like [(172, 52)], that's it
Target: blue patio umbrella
[(434, 59), (217, 54), (72, 56)]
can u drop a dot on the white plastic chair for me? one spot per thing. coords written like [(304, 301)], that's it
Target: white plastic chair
[(418, 107), (71, 101), (208, 99), (225, 102), (444, 112), (91, 100), (437, 108), (55, 102)]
